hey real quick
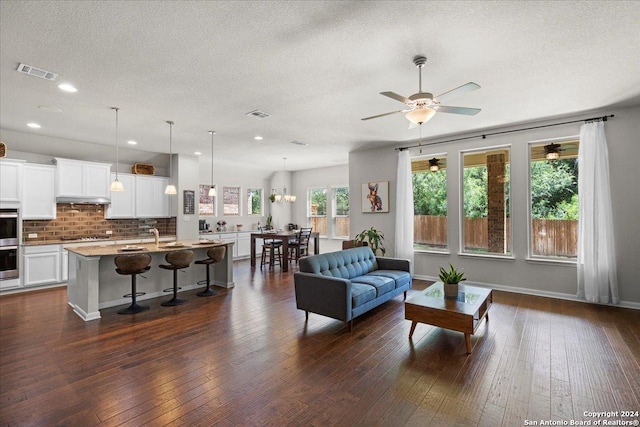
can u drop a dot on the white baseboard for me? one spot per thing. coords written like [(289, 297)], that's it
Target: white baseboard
[(537, 292)]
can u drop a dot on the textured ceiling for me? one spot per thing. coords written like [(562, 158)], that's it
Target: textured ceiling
[(316, 67)]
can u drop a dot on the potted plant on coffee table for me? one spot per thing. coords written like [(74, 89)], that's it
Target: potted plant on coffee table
[(451, 279)]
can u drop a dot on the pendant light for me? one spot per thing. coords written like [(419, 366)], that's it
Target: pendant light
[(212, 190), (116, 185), (171, 189)]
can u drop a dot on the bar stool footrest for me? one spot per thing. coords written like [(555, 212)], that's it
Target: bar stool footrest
[(138, 294), (170, 289)]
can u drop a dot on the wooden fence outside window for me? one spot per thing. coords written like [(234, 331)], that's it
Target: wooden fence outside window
[(551, 237)]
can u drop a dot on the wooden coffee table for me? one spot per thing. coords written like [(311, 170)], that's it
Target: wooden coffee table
[(463, 314)]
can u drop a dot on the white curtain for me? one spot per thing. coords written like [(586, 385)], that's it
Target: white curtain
[(404, 210), (597, 280)]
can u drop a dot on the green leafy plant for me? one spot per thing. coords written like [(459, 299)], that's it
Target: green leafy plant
[(269, 221), (272, 197), (451, 277), (373, 237)]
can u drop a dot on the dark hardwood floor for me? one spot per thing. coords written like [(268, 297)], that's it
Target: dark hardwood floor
[(246, 357)]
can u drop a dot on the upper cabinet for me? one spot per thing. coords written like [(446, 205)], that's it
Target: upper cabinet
[(10, 180), (38, 192), (151, 202), (123, 203), (75, 178)]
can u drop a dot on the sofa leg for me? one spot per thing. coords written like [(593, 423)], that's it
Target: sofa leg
[(306, 316), (351, 325), (405, 295)]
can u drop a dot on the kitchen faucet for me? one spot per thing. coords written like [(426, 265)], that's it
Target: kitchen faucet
[(155, 233)]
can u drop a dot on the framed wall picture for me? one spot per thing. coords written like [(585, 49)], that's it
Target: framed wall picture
[(375, 197)]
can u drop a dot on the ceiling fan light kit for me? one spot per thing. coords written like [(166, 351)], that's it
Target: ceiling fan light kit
[(552, 151), (434, 166), (422, 106)]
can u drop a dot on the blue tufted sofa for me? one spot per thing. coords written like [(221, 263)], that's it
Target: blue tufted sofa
[(344, 284)]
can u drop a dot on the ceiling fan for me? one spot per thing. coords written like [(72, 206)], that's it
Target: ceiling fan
[(422, 106)]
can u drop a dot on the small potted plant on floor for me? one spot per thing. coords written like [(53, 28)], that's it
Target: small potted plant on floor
[(451, 279)]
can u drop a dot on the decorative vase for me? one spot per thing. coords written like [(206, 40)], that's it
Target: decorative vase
[(451, 290)]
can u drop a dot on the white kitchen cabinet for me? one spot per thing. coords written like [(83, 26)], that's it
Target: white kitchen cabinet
[(10, 180), (38, 192), (244, 245), (42, 265), (123, 203), (151, 202), (75, 178)]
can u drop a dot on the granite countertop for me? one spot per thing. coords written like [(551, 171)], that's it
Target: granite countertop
[(105, 250), (97, 242), (227, 232)]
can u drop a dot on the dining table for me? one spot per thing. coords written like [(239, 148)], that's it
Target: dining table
[(285, 236)]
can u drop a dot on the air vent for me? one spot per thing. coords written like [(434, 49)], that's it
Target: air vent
[(37, 72), (296, 142), (258, 114)]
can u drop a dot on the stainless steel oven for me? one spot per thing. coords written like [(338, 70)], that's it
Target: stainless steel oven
[(9, 232)]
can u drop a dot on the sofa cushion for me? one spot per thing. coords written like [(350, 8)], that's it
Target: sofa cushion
[(345, 264), (381, 283), (400, 277), (361, 293)]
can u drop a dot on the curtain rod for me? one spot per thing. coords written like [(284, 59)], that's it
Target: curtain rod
[(484, 135)]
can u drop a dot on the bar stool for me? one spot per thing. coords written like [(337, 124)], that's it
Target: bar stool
[(215, 255), (133, 265), (272, 250), (177, 261)]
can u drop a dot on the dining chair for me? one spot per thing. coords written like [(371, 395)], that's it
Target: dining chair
[(299, 246)]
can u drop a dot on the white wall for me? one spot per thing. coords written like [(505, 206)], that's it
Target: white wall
[(186, 169), (624, 151)]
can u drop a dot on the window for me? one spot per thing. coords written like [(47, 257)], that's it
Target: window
[(486, 222), (554, 200), (317, 209), (231, 200), (430, 202), (341, 212), (254, 201), (207, 204)]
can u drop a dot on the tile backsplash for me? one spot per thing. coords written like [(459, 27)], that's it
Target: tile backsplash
[(88, 220)]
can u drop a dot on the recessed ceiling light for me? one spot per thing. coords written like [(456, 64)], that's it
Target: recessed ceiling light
[(258, 138), (132, 142), (34, 125), (67, 87), (197, 153)]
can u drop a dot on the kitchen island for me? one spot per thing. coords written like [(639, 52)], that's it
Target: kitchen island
[(94, 284)]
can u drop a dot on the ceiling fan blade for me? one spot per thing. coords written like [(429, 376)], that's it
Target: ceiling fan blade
[(471, 86), (458, 110), (396, 97), (381, 115)]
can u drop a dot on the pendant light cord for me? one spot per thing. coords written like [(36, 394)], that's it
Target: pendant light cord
[(170, 151), (213, 132), (117, 154)]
